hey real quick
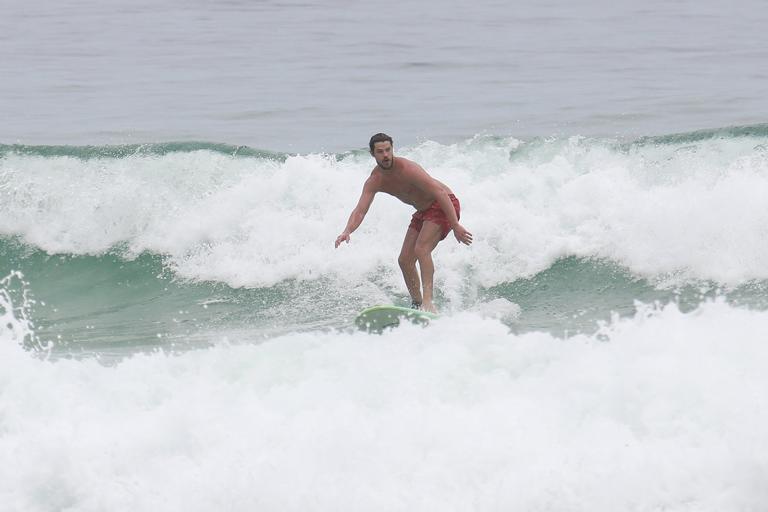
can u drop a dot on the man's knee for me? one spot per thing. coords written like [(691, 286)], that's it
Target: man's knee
[(422, 250), (406, 259)]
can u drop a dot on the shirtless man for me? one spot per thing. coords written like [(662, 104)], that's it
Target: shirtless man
[(437, 213)]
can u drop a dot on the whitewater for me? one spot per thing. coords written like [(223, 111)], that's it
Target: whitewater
[(177, 329), (663, 410), (690, 206), (176, 326)]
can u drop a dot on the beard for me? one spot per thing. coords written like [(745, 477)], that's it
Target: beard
[(387, 164)]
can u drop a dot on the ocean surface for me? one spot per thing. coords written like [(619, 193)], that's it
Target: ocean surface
[(176, 327)]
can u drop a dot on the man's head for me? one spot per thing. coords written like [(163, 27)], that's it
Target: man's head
[(381, 149)]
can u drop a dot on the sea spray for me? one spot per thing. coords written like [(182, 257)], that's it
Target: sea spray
[(16, 305), (664, 410), (690, 208)]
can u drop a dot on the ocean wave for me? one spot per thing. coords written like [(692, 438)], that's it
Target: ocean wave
[(461, 413), (132, 150), (689, 206), (98, 304)]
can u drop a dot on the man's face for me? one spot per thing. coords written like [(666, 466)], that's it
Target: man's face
[(382, 152)]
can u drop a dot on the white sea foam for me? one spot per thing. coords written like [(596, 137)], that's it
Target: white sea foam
[(15, 304), (662, 411), (693, 211)]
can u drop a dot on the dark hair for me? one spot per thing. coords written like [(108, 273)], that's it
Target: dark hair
[(379, 137)]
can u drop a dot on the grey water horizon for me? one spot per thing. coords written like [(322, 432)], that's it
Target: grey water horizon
[(322, 76)]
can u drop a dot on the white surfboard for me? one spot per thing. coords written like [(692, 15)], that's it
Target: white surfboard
[(378, 318)]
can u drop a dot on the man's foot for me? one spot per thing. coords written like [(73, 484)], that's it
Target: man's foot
[(428, 306), (415, 305)]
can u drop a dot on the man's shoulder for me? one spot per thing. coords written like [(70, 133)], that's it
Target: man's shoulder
[(409, 165), (374, 180), (406, 162)]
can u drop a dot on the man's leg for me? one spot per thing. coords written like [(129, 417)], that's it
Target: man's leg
[(407, 261), (425, 243)]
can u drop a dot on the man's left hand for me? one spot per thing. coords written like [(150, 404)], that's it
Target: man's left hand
[(462, 235)]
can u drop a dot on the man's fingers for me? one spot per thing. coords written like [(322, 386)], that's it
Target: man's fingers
[(341, 239)]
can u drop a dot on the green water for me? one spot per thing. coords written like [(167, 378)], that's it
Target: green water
[(114, 303)]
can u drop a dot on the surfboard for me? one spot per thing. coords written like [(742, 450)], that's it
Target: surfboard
[(378, 318)]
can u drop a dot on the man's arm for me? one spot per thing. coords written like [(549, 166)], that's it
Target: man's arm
[(431, 185), (444, 200), (358, 214)]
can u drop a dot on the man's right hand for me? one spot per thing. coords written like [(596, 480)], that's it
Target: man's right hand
[(344, 237)]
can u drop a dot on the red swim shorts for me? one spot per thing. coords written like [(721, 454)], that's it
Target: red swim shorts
[(436, 214)]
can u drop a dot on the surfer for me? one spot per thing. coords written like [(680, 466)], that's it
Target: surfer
[(437, 213)]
